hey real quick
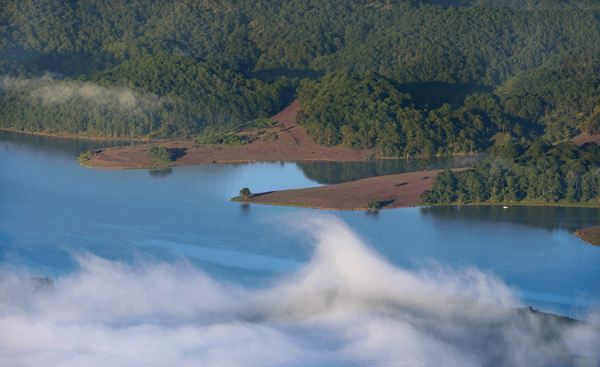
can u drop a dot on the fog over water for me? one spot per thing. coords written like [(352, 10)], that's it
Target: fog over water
[(161, 269), (346, 306)]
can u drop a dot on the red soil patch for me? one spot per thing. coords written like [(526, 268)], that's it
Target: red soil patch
[(393, 191), (582, 139), (291, 144)]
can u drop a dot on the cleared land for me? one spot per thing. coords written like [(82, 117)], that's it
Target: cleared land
[(393, 191), (285, 142), (584, 138)]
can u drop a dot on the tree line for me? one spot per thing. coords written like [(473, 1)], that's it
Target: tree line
[(533, 173), (371, 111), (155, 96), (537, 59)]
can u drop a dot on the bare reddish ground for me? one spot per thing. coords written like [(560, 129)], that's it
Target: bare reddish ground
[(393, 191), (582, 139), (292, 144)]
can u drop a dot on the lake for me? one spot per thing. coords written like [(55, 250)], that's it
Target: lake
[(163, 257)]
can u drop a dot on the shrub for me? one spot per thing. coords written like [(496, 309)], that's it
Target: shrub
[(160, 153), (373, 204)]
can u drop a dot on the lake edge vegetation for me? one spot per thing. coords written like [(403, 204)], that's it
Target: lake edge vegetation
[(537, 174), (404, 78)]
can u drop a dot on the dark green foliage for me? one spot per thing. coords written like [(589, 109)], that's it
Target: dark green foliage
[(400, 39), (564, 96), (444, 187), (222, 139), (213, 94), (160, 153), (153, 95), (540, 57), (525, 5), (370, 111), (245, 192), (540, 173), (373, 204), (359, 112)]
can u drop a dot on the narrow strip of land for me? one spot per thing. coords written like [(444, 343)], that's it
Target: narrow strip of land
[(287, 142), (393, 191), (590, 235)]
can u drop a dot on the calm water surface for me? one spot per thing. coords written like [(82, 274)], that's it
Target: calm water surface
[(53, 211)]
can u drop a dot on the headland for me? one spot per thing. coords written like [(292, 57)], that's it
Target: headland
[(590, 235), (284, 141), (391, 191)]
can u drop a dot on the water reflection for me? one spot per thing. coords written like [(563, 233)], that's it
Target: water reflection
[(53, 145), (327, 173), (372, 214), (546, 217), (160, 173)]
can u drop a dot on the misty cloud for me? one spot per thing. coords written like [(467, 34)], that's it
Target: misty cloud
[(122, 99), (7, 82), (348, 305), (49, 90)]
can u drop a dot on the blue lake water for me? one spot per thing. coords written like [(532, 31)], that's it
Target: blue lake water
[(61, 220)]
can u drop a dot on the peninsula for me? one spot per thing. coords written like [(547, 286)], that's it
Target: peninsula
[(283, 141), (287, 142), (590, 235), (392, 191)]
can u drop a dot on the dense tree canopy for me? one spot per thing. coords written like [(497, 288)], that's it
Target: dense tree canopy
[(163, 95), (537, 60), (538, 173), (370, 111)]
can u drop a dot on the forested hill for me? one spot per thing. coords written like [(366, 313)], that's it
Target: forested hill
[(524, 4), (538, 173), (151, 96), (371, 111), (398, 39), (503, 50)]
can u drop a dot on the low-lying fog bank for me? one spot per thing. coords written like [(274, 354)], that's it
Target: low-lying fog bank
[(348, 305)]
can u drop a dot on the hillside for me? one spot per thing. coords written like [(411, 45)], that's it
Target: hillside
[(376, 75)]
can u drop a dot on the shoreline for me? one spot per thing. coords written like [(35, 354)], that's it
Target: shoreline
[(238, 200), (290, 144), (390, 191), (589, 235), (71, 136), (282, 141), (357, 193), (509, 204)]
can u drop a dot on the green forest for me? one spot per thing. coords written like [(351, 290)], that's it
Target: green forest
[(539, 173), (405, 77), (154, 96), (370, 111)]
